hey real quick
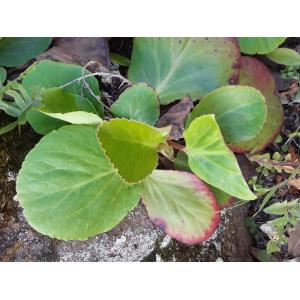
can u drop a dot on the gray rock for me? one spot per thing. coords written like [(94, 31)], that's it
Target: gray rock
[(132, 240)]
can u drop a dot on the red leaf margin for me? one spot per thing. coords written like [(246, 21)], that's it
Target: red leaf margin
[(201, 186)]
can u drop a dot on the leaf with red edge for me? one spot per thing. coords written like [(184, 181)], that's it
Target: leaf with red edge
[(256, 74), (177, 67), (181, 204)]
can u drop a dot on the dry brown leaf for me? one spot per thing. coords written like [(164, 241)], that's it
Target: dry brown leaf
[(176, 116), (290, 93), (79, 50), (293, 153), (295, 183), (294, 241)]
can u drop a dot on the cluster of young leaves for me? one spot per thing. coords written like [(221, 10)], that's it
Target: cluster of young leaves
[(83, 179), (287, 216), (49, 104)]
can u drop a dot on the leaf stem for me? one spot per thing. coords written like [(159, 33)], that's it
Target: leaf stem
[(175, 145)]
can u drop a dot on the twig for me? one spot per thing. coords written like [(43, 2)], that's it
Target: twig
[(87, 86), (103, 74), (291, 138)]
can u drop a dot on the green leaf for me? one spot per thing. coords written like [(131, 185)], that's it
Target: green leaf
[(177, 67), (285, 56), (223, 199), (263, 256), (259, 45), (138, 102), (49, 74), (56, 101), (131, 146), (272, 246), (254, 73), (181, 164), (15, 51), (77, 117), (279, 222), (181, 204), (281, 208), (119, 59), (239, 110), (212, 161), (68, 188), (2, 75)]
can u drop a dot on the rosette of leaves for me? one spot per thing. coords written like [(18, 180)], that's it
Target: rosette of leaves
[(50, 95), (83, 179), (94, 175)]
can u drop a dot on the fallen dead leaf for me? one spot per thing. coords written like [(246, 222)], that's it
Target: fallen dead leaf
[(176, 116), (295, 183), (289, 93), (78, 50), (294, 241), (294, 155)]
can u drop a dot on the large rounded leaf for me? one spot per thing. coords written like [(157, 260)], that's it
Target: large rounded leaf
[(68, 188), (131, 146), (176, 67), (181, 204), (138, 102), (16, 51), (56, 100), (211, 159), (259, 45), (285, 56), (256, 74), (239, 110), (50, 74)]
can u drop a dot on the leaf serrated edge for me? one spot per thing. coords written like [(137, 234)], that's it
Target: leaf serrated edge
[(28, 219), (113, 165)]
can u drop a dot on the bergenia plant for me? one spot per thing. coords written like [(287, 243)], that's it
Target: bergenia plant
[(94, 165)]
